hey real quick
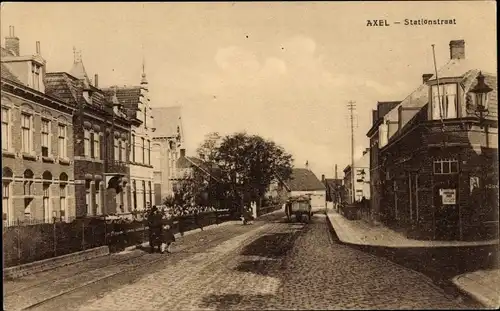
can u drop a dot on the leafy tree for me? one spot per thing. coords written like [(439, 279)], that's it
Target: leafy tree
[(207, 150), (250, 163)]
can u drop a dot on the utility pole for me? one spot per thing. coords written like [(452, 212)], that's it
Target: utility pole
[(351, 106)]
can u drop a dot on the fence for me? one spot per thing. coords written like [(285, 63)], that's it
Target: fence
[(355, 211), (26, 242)]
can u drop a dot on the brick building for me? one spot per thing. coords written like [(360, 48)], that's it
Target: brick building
[(440, 165), (136, 102), (101, 135), (375, 178), (37, 141)]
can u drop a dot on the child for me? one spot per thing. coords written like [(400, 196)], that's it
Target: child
[(168, 239)]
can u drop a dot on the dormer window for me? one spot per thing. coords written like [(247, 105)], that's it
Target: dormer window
[(444, 101), (35, 76)]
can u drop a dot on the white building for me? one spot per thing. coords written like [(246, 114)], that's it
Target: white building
[(136, 101), (305, 182), (168, 140)]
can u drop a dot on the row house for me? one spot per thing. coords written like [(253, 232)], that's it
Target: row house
[(168, 140), (136, 102), (375, 170), (438, 155), (357, 187), (37, 141), (101, 169)]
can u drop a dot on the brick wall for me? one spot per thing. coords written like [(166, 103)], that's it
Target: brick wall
[(14, 160)]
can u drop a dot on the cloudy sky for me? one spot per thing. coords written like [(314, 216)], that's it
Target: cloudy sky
[(282, 70)]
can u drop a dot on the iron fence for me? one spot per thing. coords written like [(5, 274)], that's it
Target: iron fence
[(31, 241)]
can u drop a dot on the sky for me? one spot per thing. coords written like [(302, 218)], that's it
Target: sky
[(285, 71)]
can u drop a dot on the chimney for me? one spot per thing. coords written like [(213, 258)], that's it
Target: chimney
[(96, 80), (323, 177), (426, 77), (38, 51), (12, 42), (457, 49), (183, 153)]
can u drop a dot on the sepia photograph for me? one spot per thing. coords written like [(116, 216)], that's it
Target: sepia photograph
[(281, 155)]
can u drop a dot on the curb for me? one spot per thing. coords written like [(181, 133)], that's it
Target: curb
[(178, 235), (474, 296), (54, 263)]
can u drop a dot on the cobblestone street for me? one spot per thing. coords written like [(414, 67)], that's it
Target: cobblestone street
[(268, 265)]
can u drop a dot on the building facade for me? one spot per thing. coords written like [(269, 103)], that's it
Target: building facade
[(101, 135), (37, 141), (361, 180), (168, 141), (136, 102), (375, 176), (304, 182), (440, 164)]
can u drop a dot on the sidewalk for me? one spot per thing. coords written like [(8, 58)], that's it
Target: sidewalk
[(482, 285), (361, 233), (429, 257)]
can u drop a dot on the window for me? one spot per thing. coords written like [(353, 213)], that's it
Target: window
[(96, 142), (46, 202), (5, 128), (26, 128), (445, 166), (124, 151), (88, 201), (143, 194), (62, 200), (6, 198), (134, 194), (35, 74), (150, 192), (28, 182), (133, 148), (444, 102), (98, 199), (117, 150), (143, 150), (45, 138), (62, 141), (149, 152), (86, 144)]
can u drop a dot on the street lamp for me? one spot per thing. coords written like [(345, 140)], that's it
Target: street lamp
[(480, 108)]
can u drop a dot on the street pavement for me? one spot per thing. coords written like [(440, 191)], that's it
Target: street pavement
[(268, 265)]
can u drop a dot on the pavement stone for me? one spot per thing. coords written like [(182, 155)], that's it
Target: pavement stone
[(279, 266)]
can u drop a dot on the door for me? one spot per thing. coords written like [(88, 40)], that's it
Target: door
[(446, 211)]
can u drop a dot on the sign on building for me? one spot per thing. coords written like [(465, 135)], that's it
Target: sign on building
[(449, 196)]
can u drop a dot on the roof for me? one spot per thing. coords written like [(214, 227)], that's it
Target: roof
[(7, 74), (205, 167), (70, 89), (4, 52), (303, 179), (455, 68), (167, 121), (128, 96)]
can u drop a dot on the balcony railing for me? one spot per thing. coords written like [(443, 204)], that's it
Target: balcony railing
[(114, 166)]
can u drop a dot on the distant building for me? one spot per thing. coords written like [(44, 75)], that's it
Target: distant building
[(439, 164), (304, 182), (168, 140), (361, 179), (136, 102), (37, 141)]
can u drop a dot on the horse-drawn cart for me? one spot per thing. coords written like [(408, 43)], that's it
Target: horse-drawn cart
[(299, 206)]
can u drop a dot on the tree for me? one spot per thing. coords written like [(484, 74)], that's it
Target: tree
[(250, 163), (207, 150)]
